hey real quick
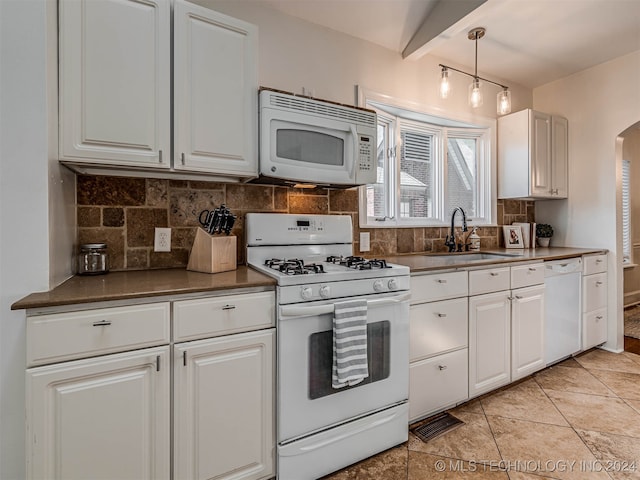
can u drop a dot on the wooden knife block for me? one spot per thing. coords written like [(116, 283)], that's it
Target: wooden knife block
[(213, 253)]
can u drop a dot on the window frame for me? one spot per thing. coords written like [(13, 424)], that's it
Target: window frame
[(627, 236), (461, 126)]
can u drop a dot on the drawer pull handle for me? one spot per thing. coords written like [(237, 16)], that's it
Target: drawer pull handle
[(441, 281), (228, 307), (599, 260), (599, 317), (598, 284), (532, 269), (158, 363), (184, 358), (442, 367), (102, 323), (493, 274), (441, 315)]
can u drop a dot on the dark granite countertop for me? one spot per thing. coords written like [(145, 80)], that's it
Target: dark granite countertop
[(425, 262), (142, 283)]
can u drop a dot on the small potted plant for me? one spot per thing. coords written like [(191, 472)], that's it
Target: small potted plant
[(544, 232)]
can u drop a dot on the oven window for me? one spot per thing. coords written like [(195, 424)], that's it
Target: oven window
[(321, 359), (311, 147)]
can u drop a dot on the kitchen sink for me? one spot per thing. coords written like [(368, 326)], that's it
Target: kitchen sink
[(473, 256)]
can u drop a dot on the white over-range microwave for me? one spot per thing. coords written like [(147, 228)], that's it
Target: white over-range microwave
[(309, 141)]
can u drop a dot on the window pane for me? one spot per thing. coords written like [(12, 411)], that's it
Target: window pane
[(416, 175), (376, 191), (462, 175)]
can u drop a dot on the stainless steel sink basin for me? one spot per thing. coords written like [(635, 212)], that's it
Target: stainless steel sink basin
[(463, 257)]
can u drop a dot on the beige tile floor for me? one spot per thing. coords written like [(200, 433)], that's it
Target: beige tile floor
[(579, 420)]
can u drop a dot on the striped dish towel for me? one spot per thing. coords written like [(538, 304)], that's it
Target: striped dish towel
[(350, 365)]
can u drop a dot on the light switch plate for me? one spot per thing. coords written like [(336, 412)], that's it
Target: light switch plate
[(162, 240), (365, 244)]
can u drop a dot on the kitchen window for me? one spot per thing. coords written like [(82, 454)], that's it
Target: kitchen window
[(426, 167)]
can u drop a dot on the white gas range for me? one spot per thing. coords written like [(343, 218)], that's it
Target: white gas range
[(322, 428)]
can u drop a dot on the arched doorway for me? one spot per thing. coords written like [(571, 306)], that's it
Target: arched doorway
[(628, 160)]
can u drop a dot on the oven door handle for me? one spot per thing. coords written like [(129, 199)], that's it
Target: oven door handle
[(315, 310)]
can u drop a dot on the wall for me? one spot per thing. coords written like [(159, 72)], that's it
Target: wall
[(36, 195), (631, 152), (123, 213), (600, 103)]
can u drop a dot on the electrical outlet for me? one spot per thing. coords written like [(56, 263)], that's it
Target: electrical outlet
[(365, 244), (162, 240)]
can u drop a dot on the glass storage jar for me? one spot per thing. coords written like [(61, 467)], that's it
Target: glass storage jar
[(93, 259)]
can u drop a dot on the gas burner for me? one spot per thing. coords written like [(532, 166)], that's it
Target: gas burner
[(293, 266), (357, 263)]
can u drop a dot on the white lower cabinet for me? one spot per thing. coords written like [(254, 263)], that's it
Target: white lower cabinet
[(104, 417), (223, 407), (438, 369), (594, 301), (489, 342), (527, 331)]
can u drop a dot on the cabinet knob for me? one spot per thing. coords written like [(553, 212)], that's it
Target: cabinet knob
[(441, 281), (493, 274), (102, 323), (598, 284), (442, 367), (598, 318), (441, 315), (599, 260)]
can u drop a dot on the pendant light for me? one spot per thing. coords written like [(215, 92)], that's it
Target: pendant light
[(475, 88)]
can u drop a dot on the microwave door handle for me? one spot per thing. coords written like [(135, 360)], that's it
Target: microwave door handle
[(356, 150), (315, 310)]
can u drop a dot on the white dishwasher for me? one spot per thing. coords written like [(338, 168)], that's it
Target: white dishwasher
[(563, 313)]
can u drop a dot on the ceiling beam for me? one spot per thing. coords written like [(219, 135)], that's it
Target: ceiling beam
[(446, 19)]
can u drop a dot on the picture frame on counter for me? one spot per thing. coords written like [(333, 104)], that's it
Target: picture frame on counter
[(512, 236)]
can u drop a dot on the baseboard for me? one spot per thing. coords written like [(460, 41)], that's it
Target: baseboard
[(631, 298)]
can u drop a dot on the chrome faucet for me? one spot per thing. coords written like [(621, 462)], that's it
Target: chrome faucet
[(450, 240)]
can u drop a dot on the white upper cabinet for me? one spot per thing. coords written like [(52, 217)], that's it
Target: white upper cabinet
[(215, 92), (116, 93), (532, 155), (115, 82)]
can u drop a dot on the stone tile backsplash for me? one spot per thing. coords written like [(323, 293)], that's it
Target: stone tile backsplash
[(123, 213)]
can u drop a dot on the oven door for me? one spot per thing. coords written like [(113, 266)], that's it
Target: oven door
[(305, 148), (307, 402)]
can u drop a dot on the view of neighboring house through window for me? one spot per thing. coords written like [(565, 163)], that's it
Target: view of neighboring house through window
[(427, 166), (626, 212)]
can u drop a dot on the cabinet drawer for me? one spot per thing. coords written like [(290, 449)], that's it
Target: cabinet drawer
[(595, 328), (215, 316), (438, 327), (594, 292), (66, 336), (427, 288), (437, 383), (595, 264), (489, 280), (527, 275)]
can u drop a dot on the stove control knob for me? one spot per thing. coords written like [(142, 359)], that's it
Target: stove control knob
[(378, 286), (325, 291), (393, 284), (306, 293)]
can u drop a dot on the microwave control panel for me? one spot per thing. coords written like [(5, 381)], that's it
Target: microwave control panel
[(365, 150)]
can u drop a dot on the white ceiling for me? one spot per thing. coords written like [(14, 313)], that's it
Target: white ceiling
[(529, 42)]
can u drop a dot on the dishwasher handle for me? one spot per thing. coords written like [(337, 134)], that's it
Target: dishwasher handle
[(562, 267)]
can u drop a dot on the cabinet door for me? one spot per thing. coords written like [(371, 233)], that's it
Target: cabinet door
[(223, 407), (215, 92), (105, 417), (559, 157), (115, 82), (489, 342), (527, 331), (540, 144)]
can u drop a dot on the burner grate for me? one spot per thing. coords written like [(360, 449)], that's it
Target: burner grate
[(293, 266)]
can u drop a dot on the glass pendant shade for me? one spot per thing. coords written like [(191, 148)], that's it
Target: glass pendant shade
[(445, 86), (504, 102), (475, 94)]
